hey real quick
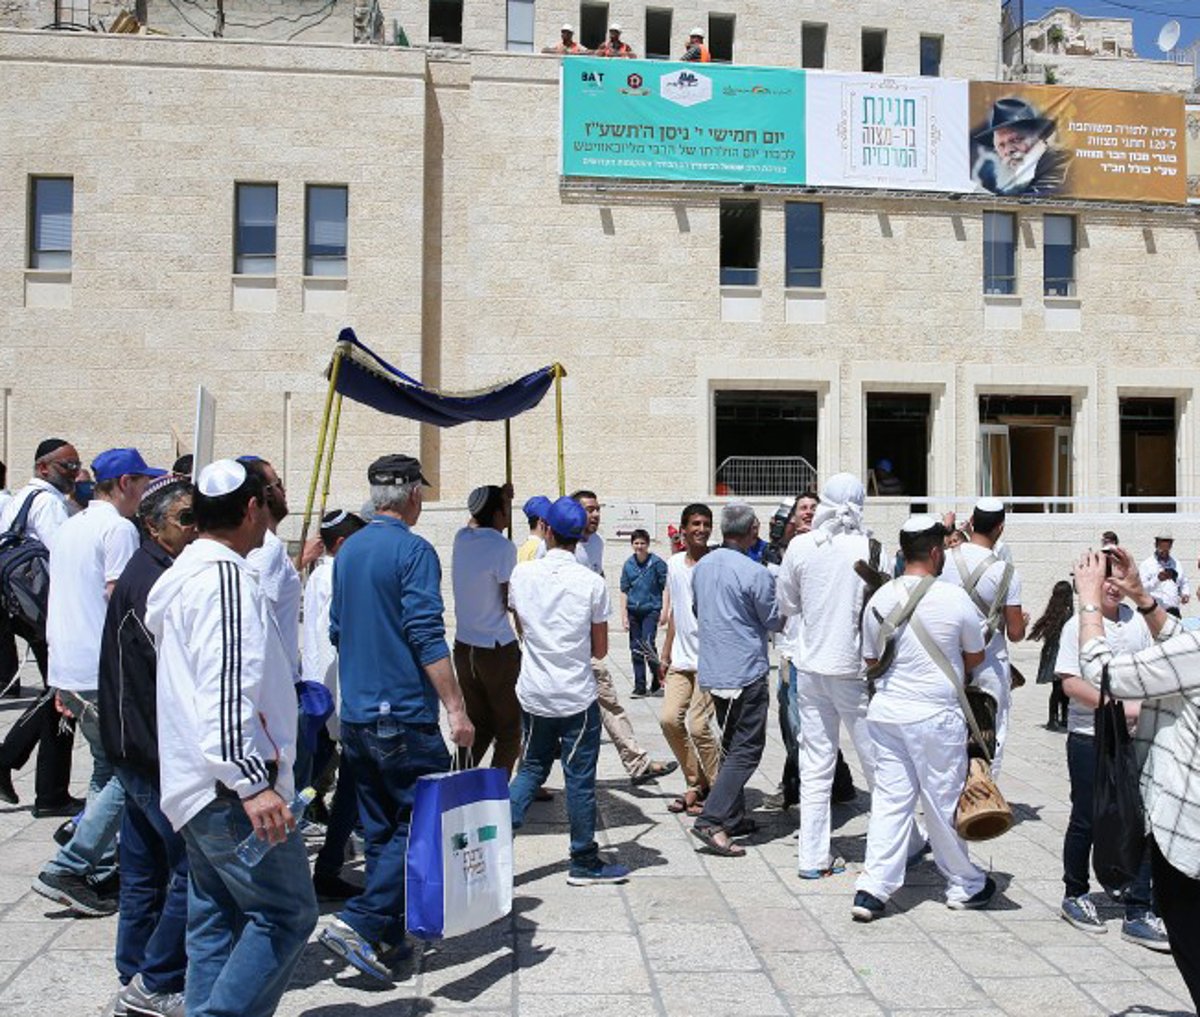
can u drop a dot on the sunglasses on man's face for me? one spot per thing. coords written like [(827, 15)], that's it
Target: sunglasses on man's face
[(187, 517), (69, 465)]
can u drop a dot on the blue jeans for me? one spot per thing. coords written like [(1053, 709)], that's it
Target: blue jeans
[(152, 925), (576, 741), (343, 817), (246, 926), (1077, 842), (92, 851), (789, 731), (643, 628), (386, 761)]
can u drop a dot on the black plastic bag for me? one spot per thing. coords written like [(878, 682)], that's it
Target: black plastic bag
[(1118, 819)]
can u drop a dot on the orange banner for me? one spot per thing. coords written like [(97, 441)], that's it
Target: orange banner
[(1089, 143)]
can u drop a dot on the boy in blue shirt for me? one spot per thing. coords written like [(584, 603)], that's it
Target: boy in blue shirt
[(643, 579)]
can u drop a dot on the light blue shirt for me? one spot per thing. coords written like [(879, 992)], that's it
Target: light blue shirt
[(735, 609)]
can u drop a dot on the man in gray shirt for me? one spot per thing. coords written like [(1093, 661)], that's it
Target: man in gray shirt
[(735, 607)]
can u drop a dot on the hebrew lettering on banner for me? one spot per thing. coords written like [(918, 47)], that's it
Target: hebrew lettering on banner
[(1102, 144), (650, 120), (867, 130)]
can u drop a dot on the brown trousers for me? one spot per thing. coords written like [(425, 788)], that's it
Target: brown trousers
[(488, 679), (686, 719)]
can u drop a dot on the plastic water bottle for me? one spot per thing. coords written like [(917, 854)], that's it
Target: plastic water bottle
[(386, 728), (253, 849)]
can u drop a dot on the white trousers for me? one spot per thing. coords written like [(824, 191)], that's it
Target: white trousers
[(926, 759), (1003, 709), (825, 704)]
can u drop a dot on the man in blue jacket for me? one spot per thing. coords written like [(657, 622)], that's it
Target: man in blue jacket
[(394, 665)]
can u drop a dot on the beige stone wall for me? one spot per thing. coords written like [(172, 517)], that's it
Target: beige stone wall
[(1110, 72), (1081, 33), (764, 33)]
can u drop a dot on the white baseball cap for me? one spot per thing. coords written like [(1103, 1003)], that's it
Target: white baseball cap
[(568, 28), (614, 27), (697, 31)]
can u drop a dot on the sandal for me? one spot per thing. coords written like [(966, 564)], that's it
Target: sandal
[(691, 802), (678, 805), (708, 834)]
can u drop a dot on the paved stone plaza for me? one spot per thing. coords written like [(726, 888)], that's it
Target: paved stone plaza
[(689, 934)]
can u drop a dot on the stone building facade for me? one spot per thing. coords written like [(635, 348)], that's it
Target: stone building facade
[(469, 260)]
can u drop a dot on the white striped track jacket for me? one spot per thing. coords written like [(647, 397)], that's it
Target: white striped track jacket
[(226, 703)]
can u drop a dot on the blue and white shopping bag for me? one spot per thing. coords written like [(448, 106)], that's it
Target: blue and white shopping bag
[(458, 874)]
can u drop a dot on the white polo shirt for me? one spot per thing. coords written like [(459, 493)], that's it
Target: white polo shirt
[(482, 561), (47, 513), (590, 552), (557, 601), (1128, 634), (89, 550), (685, 649)]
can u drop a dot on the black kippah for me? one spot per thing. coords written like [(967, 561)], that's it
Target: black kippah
[(46, 446)]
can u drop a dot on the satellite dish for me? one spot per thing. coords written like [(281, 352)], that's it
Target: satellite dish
[(1168, 38)]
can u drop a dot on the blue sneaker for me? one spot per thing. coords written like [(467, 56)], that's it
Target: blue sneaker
[(915, 859), (1146, 930), (1081, 912), (835, 868), (981, 900), (597, 875), (342, 940), (867, 907)]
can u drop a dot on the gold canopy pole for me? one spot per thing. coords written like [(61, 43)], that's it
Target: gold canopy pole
[(312, 487), (559, 374)]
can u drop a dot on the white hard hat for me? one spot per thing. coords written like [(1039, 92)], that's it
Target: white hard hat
[(614, 27), (697, 31), (568, 28)]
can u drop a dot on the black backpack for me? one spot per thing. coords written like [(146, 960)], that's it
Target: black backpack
[(24, 574)]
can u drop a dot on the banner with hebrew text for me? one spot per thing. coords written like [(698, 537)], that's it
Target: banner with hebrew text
[(648, 119), (867, 130), (1092, 143)]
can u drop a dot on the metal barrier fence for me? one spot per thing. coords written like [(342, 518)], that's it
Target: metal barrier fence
[(765, 476)]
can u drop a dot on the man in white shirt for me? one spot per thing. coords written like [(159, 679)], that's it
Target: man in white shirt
[(562, 608), (1125, 631), (818, 585), (320, 664), (589, 552), (917, 724), (487, 656), (687, 710), (994, 587), (88, 554), (1162, 575), (226, 739), (55, 466)]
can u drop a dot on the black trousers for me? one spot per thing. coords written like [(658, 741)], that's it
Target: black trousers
[(1177, 902), (40, 726), (743, 737)]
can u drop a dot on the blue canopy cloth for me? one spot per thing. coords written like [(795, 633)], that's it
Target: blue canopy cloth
[(367, 378), (358, 373)]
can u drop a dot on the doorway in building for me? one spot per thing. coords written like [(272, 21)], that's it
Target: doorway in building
[(1025, 449), (765, 442), (1148, 451), (898, 428)]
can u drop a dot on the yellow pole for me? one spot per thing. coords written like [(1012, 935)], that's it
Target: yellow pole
[(508, 467), (558, 421), (337, 418), (312, 487)]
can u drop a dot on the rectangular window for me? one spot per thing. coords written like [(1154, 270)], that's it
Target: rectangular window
[(73, 12), (999, 252), (1058, 255), (520, 26), (720, 38), (805, 244), (658, 33), (765, 443), (254, 238), (51, 209), (898, 443), (445, 20), (874, 45), (931, 56), (739, 243), (1025, 448), (1148, 451), (812, 46), (325, 231), (593, 24)]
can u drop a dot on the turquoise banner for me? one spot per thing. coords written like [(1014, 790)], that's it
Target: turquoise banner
[(653, 120)]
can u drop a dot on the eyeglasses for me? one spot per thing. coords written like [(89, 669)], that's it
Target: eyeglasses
[(70, 465), (186, 517)]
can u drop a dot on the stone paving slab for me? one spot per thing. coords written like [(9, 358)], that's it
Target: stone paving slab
[(691, 935)]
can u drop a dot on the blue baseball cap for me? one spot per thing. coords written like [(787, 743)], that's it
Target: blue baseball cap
[(122, 462), (567, 518), (536, 507)]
